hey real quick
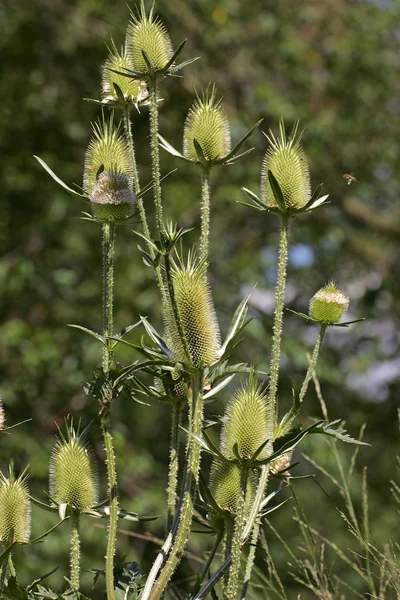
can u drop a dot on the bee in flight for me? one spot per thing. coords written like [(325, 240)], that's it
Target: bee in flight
[(349, 178)]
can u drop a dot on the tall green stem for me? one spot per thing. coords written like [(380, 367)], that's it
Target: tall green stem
[(205, 213), (313, 364), (155, 156), (232, 584), (182, 527), (250, 559), (173, 463), (108, 305), (278, 315), (75, 553)]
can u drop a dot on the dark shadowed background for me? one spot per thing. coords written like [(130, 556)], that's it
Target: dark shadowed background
[(332, 65)]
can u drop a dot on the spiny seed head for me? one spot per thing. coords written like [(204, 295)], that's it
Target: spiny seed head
[(111, 197), (329, 304), (287, 162), (134, 91), (249, 422), (2, 417), (73, 474), (196, 312), (207, 123), (107, 151), (180, 388), (15, 508), (225, 486), (147, 32)]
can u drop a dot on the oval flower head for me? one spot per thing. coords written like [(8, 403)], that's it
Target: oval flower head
[(249, 422), (196, 312), (73, 475), (287, 162), (15, 508), (133, 90), (110, 193), (225, 486), (329, 304), (207, 123), (146, 33)]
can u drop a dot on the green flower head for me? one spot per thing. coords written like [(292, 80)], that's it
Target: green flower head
[(133, 90), (196, 312), (249, 422), (15, 508), (207, 123), (73, 474), (147, 33), (225, 486), (329, 304), (287, 162)]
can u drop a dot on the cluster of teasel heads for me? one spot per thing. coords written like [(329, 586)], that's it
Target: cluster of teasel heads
[(190, 362)]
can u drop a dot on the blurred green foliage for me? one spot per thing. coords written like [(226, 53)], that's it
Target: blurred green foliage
[(333, 65)]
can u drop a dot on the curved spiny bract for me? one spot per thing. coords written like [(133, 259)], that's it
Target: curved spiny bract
[(329, 304), (15, 509), (197, 315), (286, 160), (207, 123), (147, 32), (108, 151), (73, 473), (133, 90), (249, 422)]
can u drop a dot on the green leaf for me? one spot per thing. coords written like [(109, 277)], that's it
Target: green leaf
[(236, 324), (57, 179), (339, 433), (303, 316), (288, 442), (119, 93), (259, 450), (347, 323), (148, 62), (182, 65), (220, 386), (92, 334), (317, 203), (240, 144), (276, 190), (199, 152), (207, 495), (175, 55), (157, 339)]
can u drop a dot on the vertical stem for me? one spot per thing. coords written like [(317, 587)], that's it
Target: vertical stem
[(211, 557), (313, 364), (228, 543), (155, 157), (188, 498), (108, 289), (232, 584), (278, 316), (250, 559), (173, 463), (205, 213), (75, 553), (108, 305)]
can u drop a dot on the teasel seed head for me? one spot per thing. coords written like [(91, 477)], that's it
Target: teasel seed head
[(112, 198), (329, 304), (249, 422), (207, 123), (225, 486), (73, 473), (133, 90), (180, 390), (107, 151), (147, 32), (196, 312), (2, 417), (287, 162), (15, 508)]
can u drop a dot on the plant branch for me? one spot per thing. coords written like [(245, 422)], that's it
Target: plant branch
[(75, 553), (205, 213)]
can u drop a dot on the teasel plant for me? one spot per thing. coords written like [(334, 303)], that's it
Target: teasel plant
[(190, 362)]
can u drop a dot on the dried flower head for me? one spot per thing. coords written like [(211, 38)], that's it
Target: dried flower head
[(73, 474), (225, 486), (147, 33), (207, 123), (111, 197), (287, 162), (15, 508), (133, 90), (329, 304), (2, 417), (249, 422), (196, 312), (107, 151)]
